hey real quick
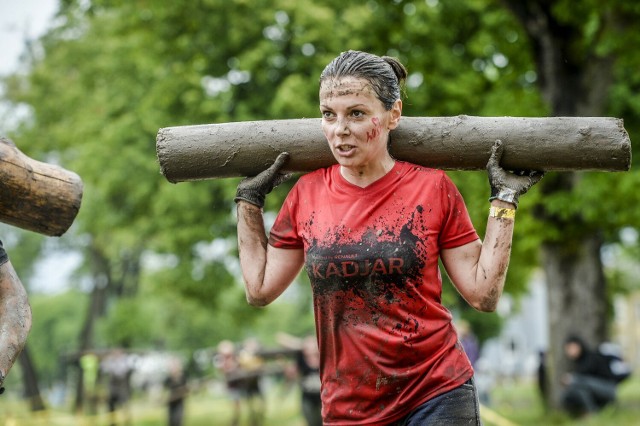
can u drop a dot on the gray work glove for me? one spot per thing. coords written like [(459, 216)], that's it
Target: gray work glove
[(506, 185), (254, 189)]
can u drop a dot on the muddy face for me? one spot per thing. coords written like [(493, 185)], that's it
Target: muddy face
[(355, 122)]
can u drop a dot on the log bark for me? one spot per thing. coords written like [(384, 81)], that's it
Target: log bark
[(36, 196), (187, 153)]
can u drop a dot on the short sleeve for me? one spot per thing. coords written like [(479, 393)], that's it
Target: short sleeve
[(457, 229), (284, 232)]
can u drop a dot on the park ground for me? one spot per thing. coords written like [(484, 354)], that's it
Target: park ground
[(513, 403)]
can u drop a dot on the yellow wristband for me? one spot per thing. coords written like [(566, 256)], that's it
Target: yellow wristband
[(501, 212)]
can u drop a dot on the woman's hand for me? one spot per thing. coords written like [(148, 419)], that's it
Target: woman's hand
[(506, 185), (254, 189)]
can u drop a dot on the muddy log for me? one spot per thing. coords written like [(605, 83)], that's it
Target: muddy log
[(452, 143), (36, 196)]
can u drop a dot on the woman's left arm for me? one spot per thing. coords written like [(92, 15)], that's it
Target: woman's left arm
[(478, 269)]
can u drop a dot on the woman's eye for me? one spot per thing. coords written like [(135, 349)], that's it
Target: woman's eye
[(327, 114), (357, 114)]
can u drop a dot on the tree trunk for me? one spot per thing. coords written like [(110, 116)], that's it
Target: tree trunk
[(453, 143), (574, 83), (576, 293), (36, 196), (30, 379)]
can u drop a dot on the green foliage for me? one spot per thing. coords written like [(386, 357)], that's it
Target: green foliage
[(22, 248), (131, 323), (57, 320)]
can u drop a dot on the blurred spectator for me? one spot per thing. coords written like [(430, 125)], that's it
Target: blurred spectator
[(543, 384), (484, 376), (226, 361), (251, 365), (307, 371), (90, 366), (471, 346), (469, 341), (176, 382), (118, 369), (590, 385), (241, 370)]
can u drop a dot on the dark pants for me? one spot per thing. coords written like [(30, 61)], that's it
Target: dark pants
[(176, 410), (312, 409), (459, 406), (588, 394)]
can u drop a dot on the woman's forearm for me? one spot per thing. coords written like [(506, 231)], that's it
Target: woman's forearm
[(494, 256), (252, 247)]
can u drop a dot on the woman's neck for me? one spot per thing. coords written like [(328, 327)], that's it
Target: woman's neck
[(365, 176)]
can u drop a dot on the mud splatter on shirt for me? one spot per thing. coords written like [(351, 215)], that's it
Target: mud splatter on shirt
[(387, 343)]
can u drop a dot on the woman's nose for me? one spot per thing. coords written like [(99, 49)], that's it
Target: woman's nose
[(343, 127)]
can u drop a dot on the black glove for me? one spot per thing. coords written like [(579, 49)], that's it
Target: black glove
[(254, 189), (3, 258), (505, 185)]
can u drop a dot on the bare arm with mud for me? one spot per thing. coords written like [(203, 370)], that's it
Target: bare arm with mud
[(15, 317), (479, 269), (267, 271)]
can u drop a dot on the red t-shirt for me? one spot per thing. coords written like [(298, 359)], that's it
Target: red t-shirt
[(387, 343)]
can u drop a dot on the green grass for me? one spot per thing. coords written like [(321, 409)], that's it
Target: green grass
[(519, 404), (205, 407), (514, 403)]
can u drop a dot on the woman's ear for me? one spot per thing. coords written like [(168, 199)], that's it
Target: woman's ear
[(394, 114)]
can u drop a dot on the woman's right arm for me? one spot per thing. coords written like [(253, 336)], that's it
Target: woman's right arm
[(267, 270)]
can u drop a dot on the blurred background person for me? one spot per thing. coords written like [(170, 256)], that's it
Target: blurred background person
[(306, 370), (90, 367), (226, 360), (242, 370), (118, 369), (469, 341), (589, 386), (176, 383), (542, 381), (251, 365)]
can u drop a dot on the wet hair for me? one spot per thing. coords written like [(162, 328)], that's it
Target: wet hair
[(575, 338), (385, 74)]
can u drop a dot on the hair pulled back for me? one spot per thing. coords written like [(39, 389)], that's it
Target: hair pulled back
[(384, 73)]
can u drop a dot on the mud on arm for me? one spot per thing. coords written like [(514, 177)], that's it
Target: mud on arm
[(267, 271)]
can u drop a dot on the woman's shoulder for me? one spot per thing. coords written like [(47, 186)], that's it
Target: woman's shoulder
[(419, 176), (423, 171)]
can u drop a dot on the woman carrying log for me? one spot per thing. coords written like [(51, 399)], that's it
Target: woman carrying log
[(369, 232), (15, 316)]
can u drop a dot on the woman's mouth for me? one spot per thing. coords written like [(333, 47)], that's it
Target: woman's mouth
[(344, 148)]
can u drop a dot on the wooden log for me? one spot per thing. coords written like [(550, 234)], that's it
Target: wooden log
[(36, 196), (208, 151)]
